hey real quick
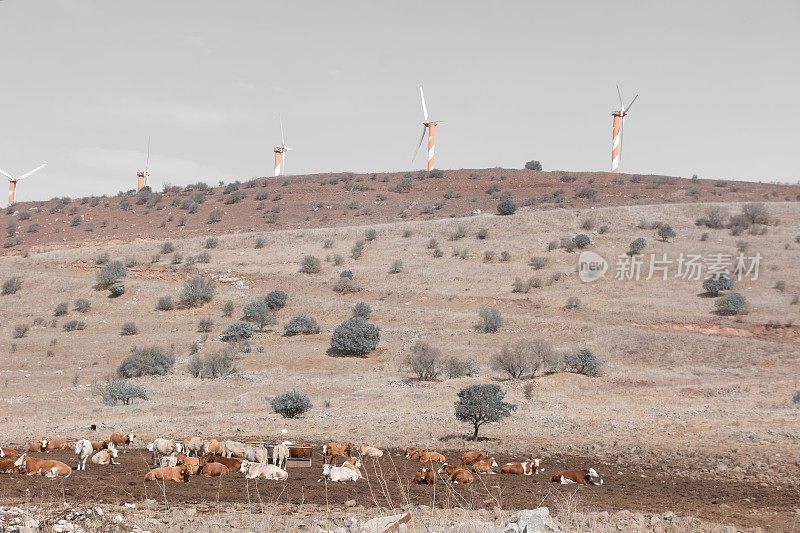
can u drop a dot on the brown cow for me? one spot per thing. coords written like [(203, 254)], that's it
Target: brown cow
[(213, 447), (7, 466), (332, 450), (457, 474), (214, 470), (42, 467), (412, 451), (98, 445), (192, 463), (430, 457), (582, 477), (56, 444), (36, 446), (484, 466), (528, 468), (232, 463), (8, 452), (122, 440), (469, 458), (178, 474), (425, 476)]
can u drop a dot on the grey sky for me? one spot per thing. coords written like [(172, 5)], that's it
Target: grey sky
[(86, 81)]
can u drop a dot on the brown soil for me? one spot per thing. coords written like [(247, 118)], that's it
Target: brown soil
[(626, 486)]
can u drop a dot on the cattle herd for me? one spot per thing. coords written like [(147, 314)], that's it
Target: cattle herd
[(179, 460)]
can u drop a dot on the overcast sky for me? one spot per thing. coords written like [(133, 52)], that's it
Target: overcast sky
[(84, 82)]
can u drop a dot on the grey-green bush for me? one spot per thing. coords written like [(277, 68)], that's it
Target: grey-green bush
[(362, 309), (116, 290), (61, 309), (291, 404), (115, 390), (637, 246), (129, 328), (717, 283), (110, 274), (149, 361), (310, 265), (237, 331), (489, 320), (301, 325), (523, 358), (396, 267), (275, 300), (583, 362), (215, 365), (196, 292), (454, 367), (533, 165), (165, 303), (506, 207), (227, 309), (258, 312), (205, 325), (581, 240), (732, 304), (82, 305), (74, 325), (355, 336), (12, 285), (425, 360), (19, 331), (479, 404)]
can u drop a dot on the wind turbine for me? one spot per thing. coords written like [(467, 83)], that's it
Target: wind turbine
[(430, 127), (143, 177), (619, 120), (280, 152), (12, 182)]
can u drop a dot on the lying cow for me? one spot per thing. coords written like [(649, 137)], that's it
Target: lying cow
[(526, 468), (354, 464), (43, 467), (9, 452), (263, 471), (7, 466), (471, 457), (38, 446), (98, 445), (457, 474), (484, 466), (214, 470), (581, 477), (425, 476), (370, 451), (192, 463), (425, 456), (338, 474), (106, 457), (178, 474), (55, 444), (232, 463)]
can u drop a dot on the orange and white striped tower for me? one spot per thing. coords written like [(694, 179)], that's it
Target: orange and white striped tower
[(143, 176), (280, 153), (617, 127), (12, 182), (428, 126)]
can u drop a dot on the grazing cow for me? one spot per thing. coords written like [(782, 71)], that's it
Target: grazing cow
[(256, 454), (425, 476), (234, 449), (214, 447), (8, 452), (457, 474), (120, 440), (470, 457), (424, 456), (232, 463), (98, 445), (527, 468), (338, 474), (83, 449), (168, 460), (48, 468), (56, 444), (280, 453), (106, 457), (371, 451), (484, 466), (39, 446), (192, 463), (193, 446), (332, 450), (263, 471), (214, 470), (162, 447), (178, 474), (581, 477)]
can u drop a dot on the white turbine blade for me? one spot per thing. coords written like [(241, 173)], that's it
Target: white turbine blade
[(424, 107), (147, 163), (37, 169), (283, 162), (283, 142), (421, 138), (6, 174), (621, 105), (631, 104)]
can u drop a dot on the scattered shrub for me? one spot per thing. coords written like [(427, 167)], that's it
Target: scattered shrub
[(103, 258), (196, 292), (432, 244), (533, 165), (756, 213), (116, 290), (301, 325), (796, 397), (572, 303), (167, 248), (291, 404), (358, 249), (587, 193), (355, 336), (129, 328), (211, 242), (371, 234), (637, 246), (61, 309), (489, 320), (227, 309), (19, 331), (665, 232), (396, 267), (149, 361), (717, 283), (362, 309), (506, 207), (82, 305), (479, 404), (74, 325), (583, 362), (425, 361), (523, 358), (165, 303), (458, 368), (346, 285), (217, 364), (732, 304), (237, 331), (780, 286), (260, 241), (581, 240), (258, 312), (110, 274), (459, 233), (505, 257), (588, 223), (716, 217), (275, 300), (214, 216), (115, 390)]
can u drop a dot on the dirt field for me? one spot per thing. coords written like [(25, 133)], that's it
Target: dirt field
[(388, 486), (700, 401)]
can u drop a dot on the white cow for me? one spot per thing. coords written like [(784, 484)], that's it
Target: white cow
[(257, 454), (169, 460), (280, 453), (233, 448), (83, 449), (338, 474), (161, 447), (263, 471), (107, 456), (370, 451), (193, 446)]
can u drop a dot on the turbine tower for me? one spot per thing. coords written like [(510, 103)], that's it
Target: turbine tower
[(430, 127), (12, 182), (143, 177), (618, 125), (280, 152)]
